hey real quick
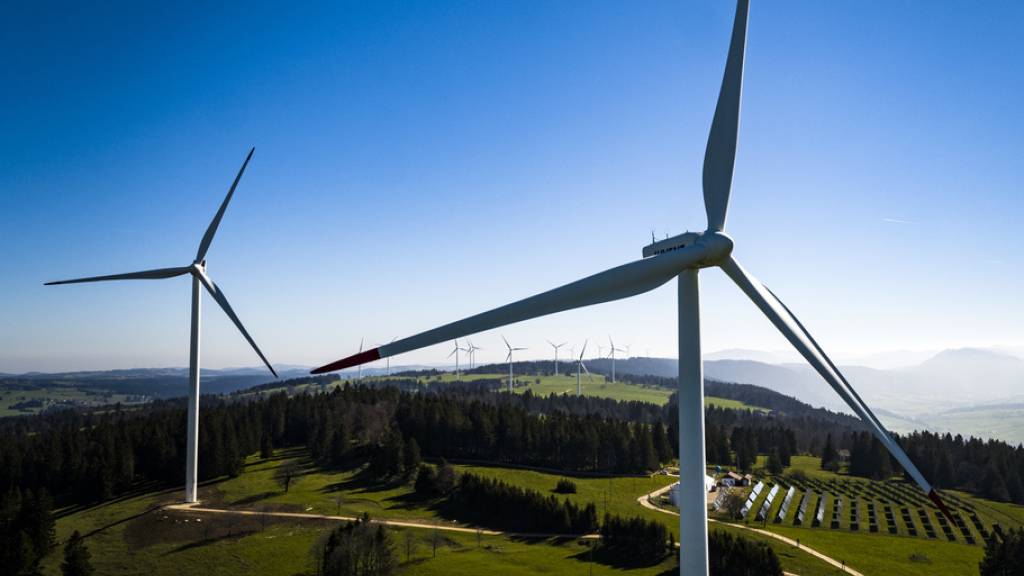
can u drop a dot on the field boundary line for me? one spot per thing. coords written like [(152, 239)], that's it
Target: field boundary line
[(184, 507)]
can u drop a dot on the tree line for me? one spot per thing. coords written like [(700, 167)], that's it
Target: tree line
[(90, 456), (492, 502), (26, 530)]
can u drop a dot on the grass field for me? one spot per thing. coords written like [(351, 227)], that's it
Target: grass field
[(133, 536), (54, 396), (600, 386)]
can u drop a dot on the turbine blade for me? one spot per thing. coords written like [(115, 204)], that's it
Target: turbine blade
[(793, 330), (620, 282), (156, 274), (720, 154), (204, 245), (223, 301), (507, 345), (584, 351)]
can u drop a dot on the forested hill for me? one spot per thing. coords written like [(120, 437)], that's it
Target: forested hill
[(150, 382)]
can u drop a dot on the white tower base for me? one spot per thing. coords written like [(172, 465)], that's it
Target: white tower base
[(192, 446), (692, 501)]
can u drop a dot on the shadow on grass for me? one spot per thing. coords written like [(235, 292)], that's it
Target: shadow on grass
[(619, 559), (209, 541), (363, 481), (255, 498), (140, 489), (95, 531)]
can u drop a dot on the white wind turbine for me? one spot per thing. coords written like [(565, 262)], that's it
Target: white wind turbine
[(456, 351), (359, 376), (199, 277), (472, 353), (387, 362), (581, 366), (556, 347), (611, 354), (681, 257), (509, 360)]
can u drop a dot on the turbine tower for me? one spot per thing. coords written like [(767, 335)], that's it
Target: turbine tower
[(681, 257), (611, 354), (199, 277), (387, 362), (556, 347), (581, 365), (472, 353), (509, 360), (360, 373), (456, 351)]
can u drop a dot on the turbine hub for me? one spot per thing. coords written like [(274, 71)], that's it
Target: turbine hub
[(718, 246)]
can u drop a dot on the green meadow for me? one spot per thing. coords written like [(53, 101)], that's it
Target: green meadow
[(598, 386), (133, 535)]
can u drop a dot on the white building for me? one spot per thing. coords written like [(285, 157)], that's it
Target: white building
[(709, 485)]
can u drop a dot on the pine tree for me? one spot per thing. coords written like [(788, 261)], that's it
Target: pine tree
[(993, 486), (266, 447), (1004, 556), (412, 455), (76, 557), (775, 462), (1015, 487), (829, 457)]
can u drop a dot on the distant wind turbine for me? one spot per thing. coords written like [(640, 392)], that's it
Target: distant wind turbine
[(509, 360), (556, 347), (682, 257), (611, 355), (360, 374), (456, 351), (581, 365), (387, 363), (472, 353), (199, 277)]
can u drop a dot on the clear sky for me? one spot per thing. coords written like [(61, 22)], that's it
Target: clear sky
[(417, 162)]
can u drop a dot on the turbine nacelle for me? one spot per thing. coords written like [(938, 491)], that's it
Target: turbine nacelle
[(717, 246)]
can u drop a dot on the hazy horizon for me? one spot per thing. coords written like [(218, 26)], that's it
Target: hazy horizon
[(881, 360)]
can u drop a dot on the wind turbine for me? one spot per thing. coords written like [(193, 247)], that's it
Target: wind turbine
[(456, 353), (472, 353), (509, 360), (579, 365), (612, 355), (387, 360), (556, 347), (199, 277), (360, 374), (681, 257)]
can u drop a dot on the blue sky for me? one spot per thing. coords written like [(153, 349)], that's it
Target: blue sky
[(417, 162)]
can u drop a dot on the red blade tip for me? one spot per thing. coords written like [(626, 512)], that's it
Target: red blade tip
[(935, 498), (354, 360)]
